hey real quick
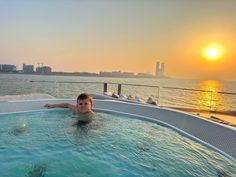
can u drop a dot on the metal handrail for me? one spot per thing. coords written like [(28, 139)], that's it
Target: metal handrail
[(142, 85), (98, 83), (179, 88), (227, 93), (210, 107), (68, 82)]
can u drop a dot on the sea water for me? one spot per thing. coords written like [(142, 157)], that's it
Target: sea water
[(17, 84)]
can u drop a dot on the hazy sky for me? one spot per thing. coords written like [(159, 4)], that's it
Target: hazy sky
[(126, 35)]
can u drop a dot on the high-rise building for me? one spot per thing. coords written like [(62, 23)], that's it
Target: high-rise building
[(7, 68), (28, 68), (44, 70), (160, 69)]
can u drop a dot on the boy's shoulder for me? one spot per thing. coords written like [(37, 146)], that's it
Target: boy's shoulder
[(71, 106)]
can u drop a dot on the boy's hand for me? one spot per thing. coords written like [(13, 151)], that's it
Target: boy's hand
[(48, 106)]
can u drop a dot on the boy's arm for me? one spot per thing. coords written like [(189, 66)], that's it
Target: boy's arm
[(61, 105)]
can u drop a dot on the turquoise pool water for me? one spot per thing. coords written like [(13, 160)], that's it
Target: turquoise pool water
[(45, 143)]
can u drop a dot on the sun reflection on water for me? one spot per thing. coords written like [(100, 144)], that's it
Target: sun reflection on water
[(209, 99)]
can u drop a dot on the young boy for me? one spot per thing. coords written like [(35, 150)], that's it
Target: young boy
[(83, 107)]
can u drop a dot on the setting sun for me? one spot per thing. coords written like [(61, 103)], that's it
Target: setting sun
[(213, 52)]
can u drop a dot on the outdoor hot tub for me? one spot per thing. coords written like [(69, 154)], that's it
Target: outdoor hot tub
[(124, 139)]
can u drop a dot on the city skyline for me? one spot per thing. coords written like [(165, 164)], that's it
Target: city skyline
[(47, 70), (159, 71), (94, 36)]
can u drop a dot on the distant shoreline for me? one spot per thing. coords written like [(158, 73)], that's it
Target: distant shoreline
[(85, 74)]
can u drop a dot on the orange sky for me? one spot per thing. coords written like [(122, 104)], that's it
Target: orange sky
[(94, 36)]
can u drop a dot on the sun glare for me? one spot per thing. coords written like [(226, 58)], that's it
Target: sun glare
[(213, 52)]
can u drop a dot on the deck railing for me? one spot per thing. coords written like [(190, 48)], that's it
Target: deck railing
[(175, 97)]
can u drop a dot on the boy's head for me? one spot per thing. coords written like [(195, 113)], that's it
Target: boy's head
[(84, 103)]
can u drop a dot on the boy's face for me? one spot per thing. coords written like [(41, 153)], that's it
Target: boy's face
[(84, 106)]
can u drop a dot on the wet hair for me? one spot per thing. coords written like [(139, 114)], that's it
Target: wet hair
[(84, 96)]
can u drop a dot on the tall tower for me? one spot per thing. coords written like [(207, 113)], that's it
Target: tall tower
[(158, 69), (162, 69)]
